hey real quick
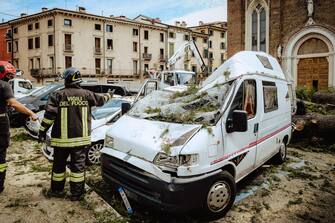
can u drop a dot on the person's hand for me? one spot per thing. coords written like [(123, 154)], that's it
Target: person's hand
[(42, 136), (34, 117)]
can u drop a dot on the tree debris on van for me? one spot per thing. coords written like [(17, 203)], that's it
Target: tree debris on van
[(188, 107)]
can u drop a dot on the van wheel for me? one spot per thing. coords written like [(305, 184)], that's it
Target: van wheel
[(93, 153), (280, 157), (220, 196)]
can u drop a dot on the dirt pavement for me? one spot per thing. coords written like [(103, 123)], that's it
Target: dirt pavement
[(28, 178), (301, 190)]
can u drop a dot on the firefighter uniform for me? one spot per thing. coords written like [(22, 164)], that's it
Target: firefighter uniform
[(69, 111), (5, 94)]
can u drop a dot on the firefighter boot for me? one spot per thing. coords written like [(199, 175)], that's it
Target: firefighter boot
[(77, 177)]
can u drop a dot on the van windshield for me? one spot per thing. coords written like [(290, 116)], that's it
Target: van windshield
[(193, 106)]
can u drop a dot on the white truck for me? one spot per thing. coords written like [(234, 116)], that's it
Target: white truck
[(21, 87), (186, 150)]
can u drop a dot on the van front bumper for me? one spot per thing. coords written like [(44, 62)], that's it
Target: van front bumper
[(145, 188)]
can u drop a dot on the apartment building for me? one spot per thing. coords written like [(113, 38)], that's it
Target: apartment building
[(103, 48), (216, 52)]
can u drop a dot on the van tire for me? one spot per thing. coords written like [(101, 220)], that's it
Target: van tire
[(223, 186), (280, 157)]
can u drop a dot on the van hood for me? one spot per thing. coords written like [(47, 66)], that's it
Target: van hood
[(146, 138)]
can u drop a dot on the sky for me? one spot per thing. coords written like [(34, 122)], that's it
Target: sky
[(190, 11)]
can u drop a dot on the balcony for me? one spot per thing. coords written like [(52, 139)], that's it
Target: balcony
[(162, 58), (97, 50), (36, 73), (147, 56), (68, 48)]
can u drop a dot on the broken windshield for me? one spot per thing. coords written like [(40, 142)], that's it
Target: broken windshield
[(193, 106)]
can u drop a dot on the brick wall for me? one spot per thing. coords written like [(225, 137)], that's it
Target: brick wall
[(235, 25)]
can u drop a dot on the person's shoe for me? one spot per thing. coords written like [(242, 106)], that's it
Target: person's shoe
[(76, 197), (57, 194)]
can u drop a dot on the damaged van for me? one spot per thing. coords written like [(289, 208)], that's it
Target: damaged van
[(187, 150)]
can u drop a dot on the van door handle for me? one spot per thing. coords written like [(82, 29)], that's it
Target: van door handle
[(256, 128)]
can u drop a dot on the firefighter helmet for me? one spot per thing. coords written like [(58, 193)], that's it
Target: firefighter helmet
[(72, 76), (7, 71)]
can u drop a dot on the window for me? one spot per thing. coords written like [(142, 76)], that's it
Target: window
[(222, 57), (51, 62), (109, 66), (135, 46), (135, 32), (194, 38), (97, 45), (205, 53), (146, 67), (9, 47), (109, 28), (97, 65), (258, 29), (50, 40), (161, 35), (68, 62), (245, 99), (223, 45), (205, 40), (270, 96), (210, 32), (15, 30), (146, 34), (171, 49), (67, 22), (210, 44), (171, 35), (37, 42), (135, 66), (50, 22), (145, 49), (30, 43), (109, 44), (161, 67), (97, 26), (30, 27), (38, 63), (186, 37), (16, 46), (68, 42), (37, 25), (222, 34), (31, 64), (161, 53), (211, 55)]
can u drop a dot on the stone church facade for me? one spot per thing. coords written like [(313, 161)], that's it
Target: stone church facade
[(299, 33)]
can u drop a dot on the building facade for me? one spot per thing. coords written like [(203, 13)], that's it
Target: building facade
[(5, 42), (216, 51), (299, 33), (104, 49)]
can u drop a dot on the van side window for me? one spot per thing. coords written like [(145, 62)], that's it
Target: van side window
[(270, 96), (245, 98)]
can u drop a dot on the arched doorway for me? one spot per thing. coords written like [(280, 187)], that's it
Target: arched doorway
[(309, 56), (312, 64)]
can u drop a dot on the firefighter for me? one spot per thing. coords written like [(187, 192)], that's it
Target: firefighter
[(7, 99), (69, 111)]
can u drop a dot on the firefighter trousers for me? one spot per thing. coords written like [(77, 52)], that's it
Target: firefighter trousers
[(4, 143), (77, 167)]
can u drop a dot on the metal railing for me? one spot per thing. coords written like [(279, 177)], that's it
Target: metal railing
[(97, 50), (68, 47), (147, 56)]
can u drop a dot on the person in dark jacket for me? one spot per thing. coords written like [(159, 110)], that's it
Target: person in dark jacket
[(7, 100), (69, 111)]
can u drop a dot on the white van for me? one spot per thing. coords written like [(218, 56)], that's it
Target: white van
[(21, 87), (187, 150)]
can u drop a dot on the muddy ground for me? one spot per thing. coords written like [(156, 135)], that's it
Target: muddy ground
[(301, 190)]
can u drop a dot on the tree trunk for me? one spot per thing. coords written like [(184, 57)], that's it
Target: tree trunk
[(324, 98), (315, 125)]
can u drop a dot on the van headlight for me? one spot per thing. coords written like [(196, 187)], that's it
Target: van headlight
[(162, 159), (109, 141)]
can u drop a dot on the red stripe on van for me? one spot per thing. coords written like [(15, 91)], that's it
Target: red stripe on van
[(252, 144)]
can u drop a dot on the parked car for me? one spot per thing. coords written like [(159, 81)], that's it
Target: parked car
[(182, 151), (102, 118), (37, 101)]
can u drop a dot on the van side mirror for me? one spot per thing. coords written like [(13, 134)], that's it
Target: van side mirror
[(238, 122), (125, 107)]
